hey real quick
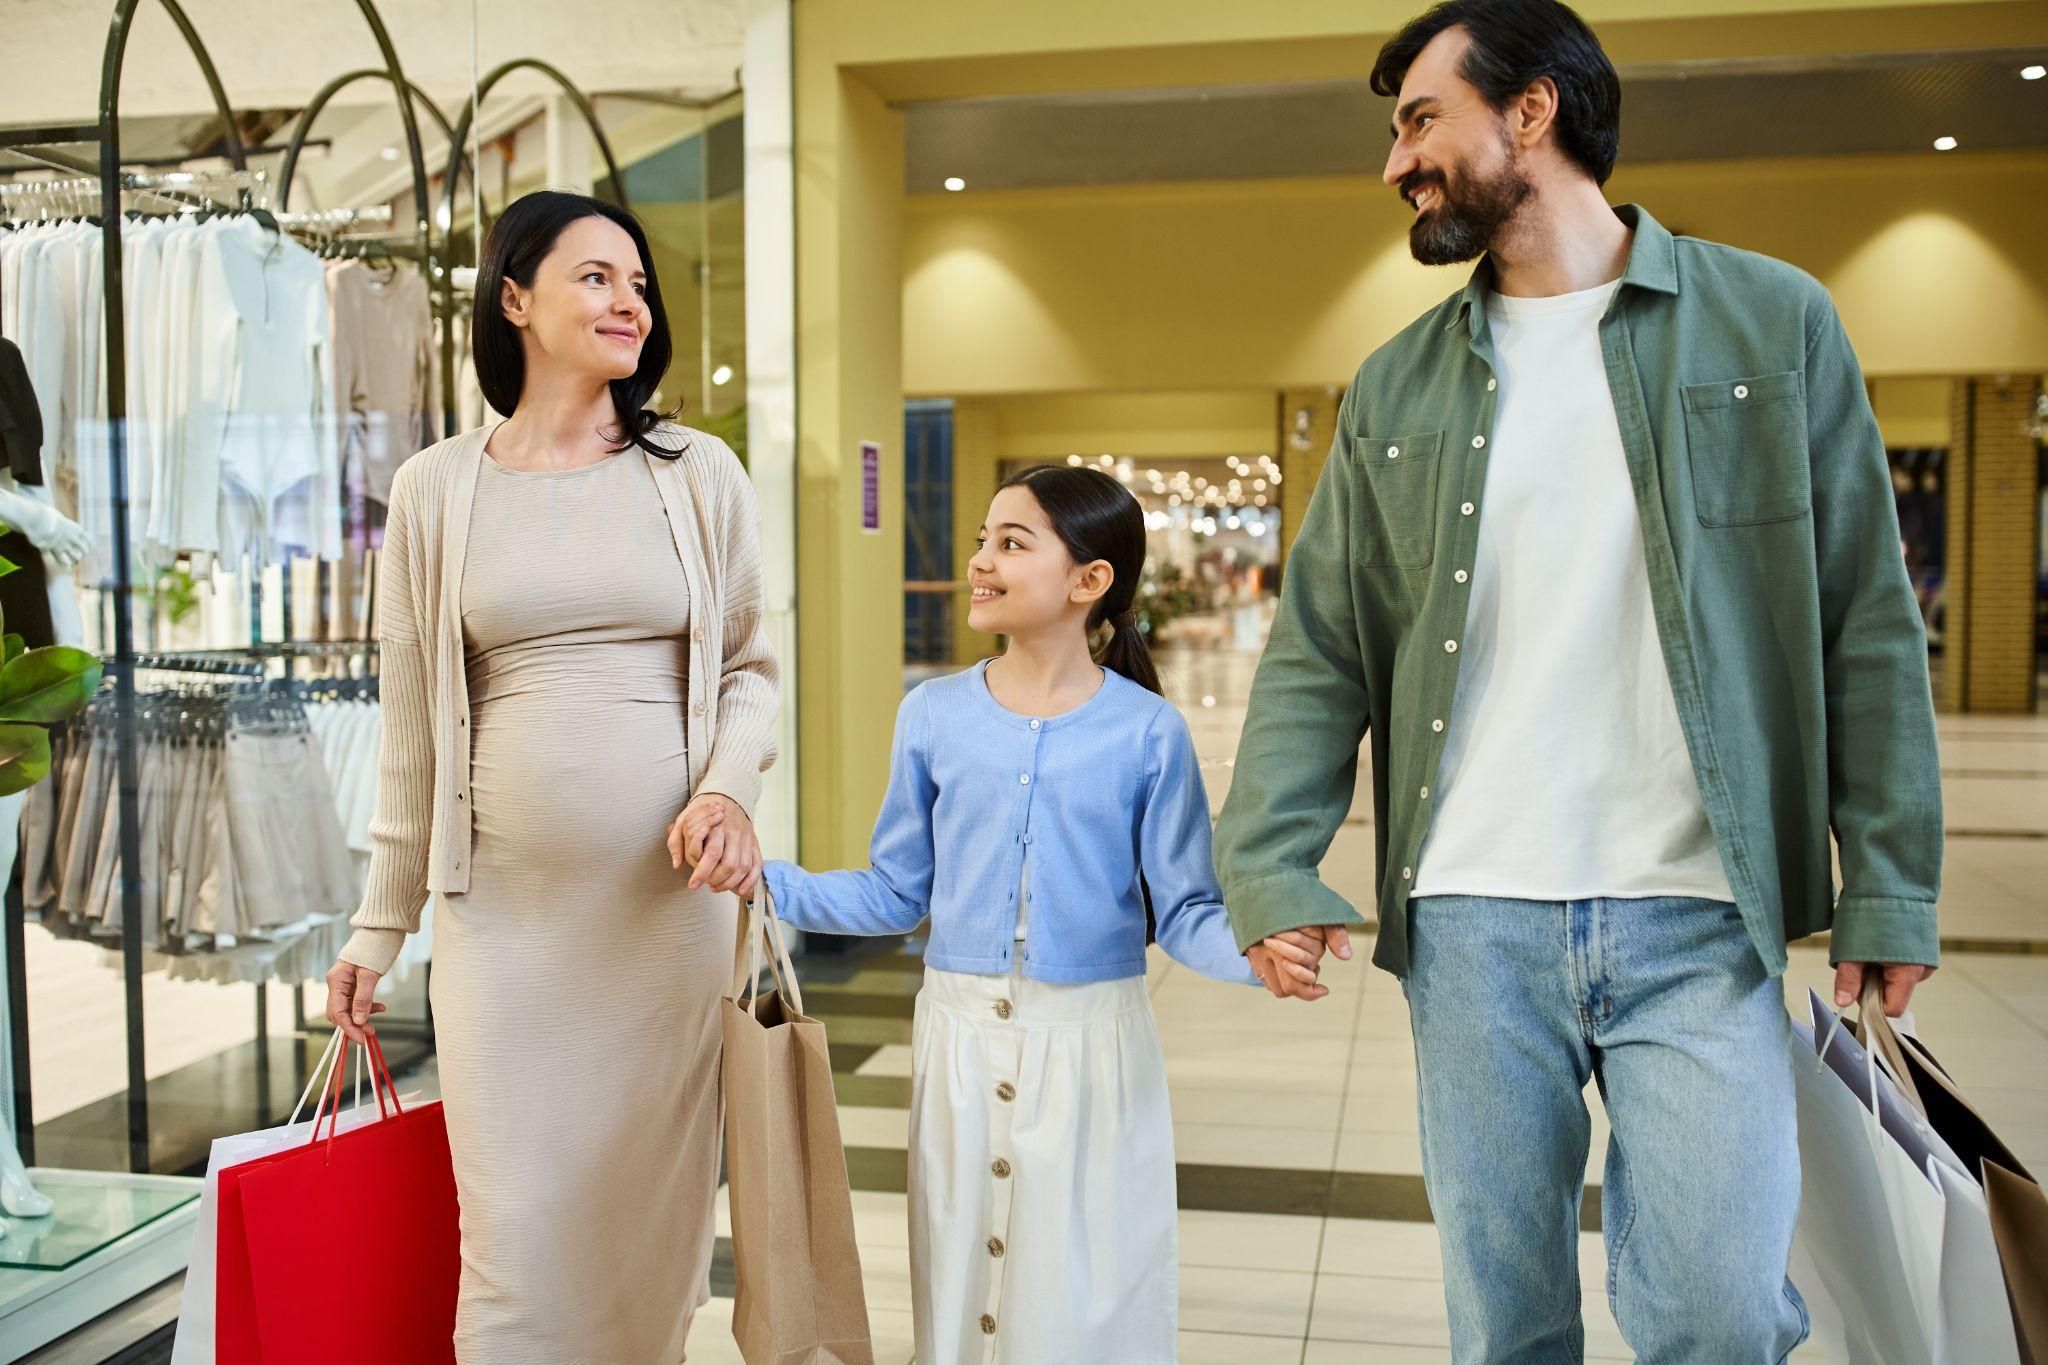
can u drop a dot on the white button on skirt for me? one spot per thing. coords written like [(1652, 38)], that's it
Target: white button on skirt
[(1089, 1268)]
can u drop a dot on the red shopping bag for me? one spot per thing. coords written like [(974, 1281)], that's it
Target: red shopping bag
[(348, 1244)]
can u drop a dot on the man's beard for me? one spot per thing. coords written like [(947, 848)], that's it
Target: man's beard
[(1469, 214)]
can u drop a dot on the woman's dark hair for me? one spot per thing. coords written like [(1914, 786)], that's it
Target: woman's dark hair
[(1516, 43), (519, 241), (1096, 517)]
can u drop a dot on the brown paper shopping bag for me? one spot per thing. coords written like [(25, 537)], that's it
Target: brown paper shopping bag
[(799, 1298)]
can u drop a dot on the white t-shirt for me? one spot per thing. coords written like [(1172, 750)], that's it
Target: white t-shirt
[(1565, 774)]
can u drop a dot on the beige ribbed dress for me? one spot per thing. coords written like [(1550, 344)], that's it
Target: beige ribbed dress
[(576, 982)]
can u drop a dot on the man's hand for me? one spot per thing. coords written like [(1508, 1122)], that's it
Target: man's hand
[(1899, 980), (1289, 963)]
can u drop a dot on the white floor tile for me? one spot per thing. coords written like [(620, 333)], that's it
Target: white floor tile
[(1352, 1353), (1379, 1309), (1225, 1144), (1218, 1348), (1249, 1241), (1266, 1303), (1227, 1104)]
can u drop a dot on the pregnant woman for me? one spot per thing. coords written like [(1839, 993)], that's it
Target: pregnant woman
[(578, 692)]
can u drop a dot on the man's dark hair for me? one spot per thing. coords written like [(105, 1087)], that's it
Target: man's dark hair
[(1516, 43)]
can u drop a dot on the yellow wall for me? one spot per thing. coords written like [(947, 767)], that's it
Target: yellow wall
[(1935, 263), (849, 186), (1914, 413)]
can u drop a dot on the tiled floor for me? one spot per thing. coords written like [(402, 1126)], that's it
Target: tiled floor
[(1304, 1232), (1281, 1107)]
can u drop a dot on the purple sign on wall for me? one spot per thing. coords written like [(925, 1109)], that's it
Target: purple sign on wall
[(870, 486)]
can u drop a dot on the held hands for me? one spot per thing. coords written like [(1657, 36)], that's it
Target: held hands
[(715, 837), (1289, 963), (351, 1000), (1899, 980)]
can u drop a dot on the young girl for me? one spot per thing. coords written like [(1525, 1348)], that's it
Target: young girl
[(1033, 801)]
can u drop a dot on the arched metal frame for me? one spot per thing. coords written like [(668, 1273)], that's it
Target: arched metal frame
[(318, 105), (458, 154), (115, 370)]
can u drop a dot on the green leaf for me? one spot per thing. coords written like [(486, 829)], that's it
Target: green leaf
[(8, 566), (48, 685), (24, 757), (16, 647)]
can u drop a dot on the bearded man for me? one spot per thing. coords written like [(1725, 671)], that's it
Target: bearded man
[(1605, 561)]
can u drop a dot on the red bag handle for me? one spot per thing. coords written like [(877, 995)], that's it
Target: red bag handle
[(381, 1084)]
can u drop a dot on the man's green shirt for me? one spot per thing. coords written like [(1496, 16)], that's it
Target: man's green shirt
[(1789, 630)]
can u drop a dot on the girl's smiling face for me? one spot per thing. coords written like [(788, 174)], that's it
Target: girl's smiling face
[(1022, 577)]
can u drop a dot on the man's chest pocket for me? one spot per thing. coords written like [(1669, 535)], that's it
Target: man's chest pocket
[(1396, 522), (1746, 439)]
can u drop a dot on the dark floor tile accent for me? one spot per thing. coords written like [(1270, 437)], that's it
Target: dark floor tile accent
[(1950, 943), (1244, 1189), (878, 1170), (872, 1092), (2012, 774), (723, 1283), (831, 1004), (849, 1056), (1997, 833)]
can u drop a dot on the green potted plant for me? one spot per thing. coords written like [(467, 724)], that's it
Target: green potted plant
[(39, 688)]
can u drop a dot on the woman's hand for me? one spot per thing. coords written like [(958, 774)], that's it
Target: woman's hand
[(351, 1000), (715, 837)]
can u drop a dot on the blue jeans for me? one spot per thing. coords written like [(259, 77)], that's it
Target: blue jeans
[(1666, 1004)]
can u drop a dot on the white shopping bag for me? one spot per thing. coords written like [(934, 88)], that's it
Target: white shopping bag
[(1892, 1228), (195, 1338)]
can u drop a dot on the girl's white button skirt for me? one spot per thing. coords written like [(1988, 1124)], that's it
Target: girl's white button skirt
[(1042, 1195)]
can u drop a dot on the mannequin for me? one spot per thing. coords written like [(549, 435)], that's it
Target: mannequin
[(61, 542)]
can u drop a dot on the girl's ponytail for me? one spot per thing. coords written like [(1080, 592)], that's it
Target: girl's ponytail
[(1098, 518), (1128, 654)]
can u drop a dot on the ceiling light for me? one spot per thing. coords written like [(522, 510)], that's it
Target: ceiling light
[(1074, 460), (2033, 73), (955, 183), (389, 154), (722, 375), (1945, 144)]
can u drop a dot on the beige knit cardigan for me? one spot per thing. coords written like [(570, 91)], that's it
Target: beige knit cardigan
[(420, 838)]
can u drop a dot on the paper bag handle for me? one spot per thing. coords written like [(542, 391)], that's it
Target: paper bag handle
[(1879, 1037), (758, 920)]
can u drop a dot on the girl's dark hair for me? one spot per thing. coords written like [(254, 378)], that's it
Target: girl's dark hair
[(1096, 517), (519, 241), (1516, 43)]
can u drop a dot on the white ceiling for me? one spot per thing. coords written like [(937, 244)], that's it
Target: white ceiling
[(274, 54)]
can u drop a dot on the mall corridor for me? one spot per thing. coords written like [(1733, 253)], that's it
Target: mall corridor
[(1305, 1234)]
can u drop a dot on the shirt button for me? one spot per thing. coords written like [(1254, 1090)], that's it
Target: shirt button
[(1027, 839), (1393, 452), (1407, 874), (1479, 443), (698, 709), (1023, 779), (1002, 1009), (1450, 646), (1492, 384), (988, 1325), (1461, 575), (1742, 390), (995, 1247), (1001, 1168), (1006, 1092), (1437, 726), (1466, 509), (1425, 793), (1035, 724)]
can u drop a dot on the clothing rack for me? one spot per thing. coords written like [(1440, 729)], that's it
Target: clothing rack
[(114, 178)]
